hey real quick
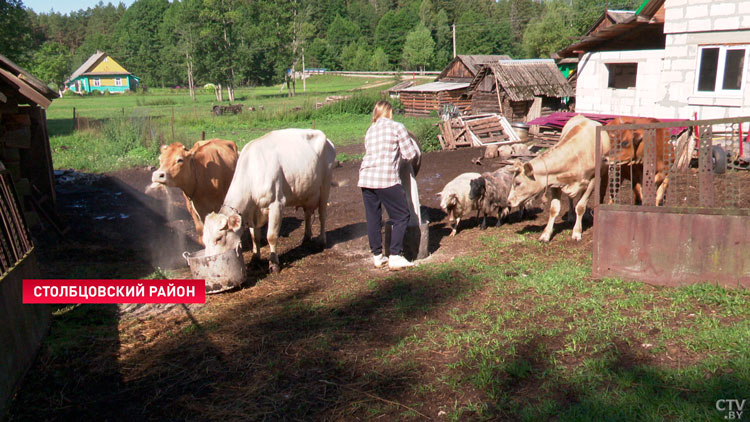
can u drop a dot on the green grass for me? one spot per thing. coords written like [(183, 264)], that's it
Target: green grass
[(107, 143)]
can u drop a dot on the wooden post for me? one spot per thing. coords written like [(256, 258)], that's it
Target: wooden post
[(313, 124), (454, 40), (203, 135), (74, 113), (304, 84), (497, 91), (123, 111)]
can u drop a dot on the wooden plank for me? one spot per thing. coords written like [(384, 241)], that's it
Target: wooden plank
[(16, 120), (448, 134), (25, 89), (534, 112), (19, 138)]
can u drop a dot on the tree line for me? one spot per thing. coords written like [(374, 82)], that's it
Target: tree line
[(252, 42)]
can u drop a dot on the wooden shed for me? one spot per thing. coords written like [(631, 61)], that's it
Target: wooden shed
[(26, 183), (519, 89), (24, 141), (449, 88), (420, 100)]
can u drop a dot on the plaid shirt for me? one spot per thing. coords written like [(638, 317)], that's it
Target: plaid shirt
[(386, 142)]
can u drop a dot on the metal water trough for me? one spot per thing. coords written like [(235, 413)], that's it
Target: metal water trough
[(701, 232)]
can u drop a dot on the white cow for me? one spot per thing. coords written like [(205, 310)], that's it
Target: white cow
[(569, 167), (290, 167)]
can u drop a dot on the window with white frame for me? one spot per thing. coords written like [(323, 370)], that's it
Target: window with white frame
[(721, 70), (622, 75), (118, 81), (97, 82)]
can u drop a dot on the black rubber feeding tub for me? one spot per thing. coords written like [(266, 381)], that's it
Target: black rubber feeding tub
[(222, 272)]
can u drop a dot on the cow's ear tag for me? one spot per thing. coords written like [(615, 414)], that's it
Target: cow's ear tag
[(234, 222), (528, 170)]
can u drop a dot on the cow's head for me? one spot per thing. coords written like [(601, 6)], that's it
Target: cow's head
[(478, 187), (221, 233), (175, 167), (623, 143), (627, 145), (525, 184)]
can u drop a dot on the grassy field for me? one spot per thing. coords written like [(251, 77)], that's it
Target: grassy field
[(126, 130)]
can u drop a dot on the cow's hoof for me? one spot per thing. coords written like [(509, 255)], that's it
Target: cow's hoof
[(577, 237), (453, 233), (306, 239), (273, 268), (544, 238)]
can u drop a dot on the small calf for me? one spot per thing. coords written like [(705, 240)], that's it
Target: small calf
[(490, 191)]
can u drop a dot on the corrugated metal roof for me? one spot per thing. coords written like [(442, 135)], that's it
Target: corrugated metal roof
[(436, 87), (522, 80), (86, 65)]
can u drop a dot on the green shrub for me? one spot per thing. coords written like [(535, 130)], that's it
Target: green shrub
[(426, 132)]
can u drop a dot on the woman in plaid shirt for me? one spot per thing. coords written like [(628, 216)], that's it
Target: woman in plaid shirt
[(386, 143)]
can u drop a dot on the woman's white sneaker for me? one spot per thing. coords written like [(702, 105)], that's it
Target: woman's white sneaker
[(397, 262), (379, 260)]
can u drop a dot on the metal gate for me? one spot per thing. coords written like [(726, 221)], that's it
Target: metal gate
[(673, 202)]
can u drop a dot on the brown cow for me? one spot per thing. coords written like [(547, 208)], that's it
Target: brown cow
[(628, 149), (203, 173)]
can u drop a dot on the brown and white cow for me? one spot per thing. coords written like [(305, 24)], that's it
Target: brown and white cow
[(284, 168), (203, 173), (569, 167), (628, 148)]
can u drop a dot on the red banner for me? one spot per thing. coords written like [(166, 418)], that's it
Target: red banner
[(114, 291)]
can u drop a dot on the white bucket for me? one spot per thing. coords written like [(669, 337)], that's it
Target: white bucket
[(222, 272)]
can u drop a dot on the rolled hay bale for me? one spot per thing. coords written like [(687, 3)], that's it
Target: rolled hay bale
[(491, 151)]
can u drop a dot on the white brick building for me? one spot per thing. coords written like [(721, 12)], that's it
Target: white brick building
[(669, 59)]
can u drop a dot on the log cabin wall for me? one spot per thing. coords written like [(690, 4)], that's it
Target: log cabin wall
[(419, 103), (484, 102), (423, 103)]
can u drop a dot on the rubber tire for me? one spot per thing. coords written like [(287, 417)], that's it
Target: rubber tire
[(719, 159)]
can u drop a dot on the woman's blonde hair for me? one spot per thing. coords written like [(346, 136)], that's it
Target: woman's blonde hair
[(382, 109)]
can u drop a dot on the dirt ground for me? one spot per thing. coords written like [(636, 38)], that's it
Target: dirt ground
[(117, 231), (127, 363)]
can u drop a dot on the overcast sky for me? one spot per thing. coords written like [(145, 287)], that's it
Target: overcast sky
[(66, 6)]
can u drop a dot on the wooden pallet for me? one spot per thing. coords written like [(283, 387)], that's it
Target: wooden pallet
[(480, 130)]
